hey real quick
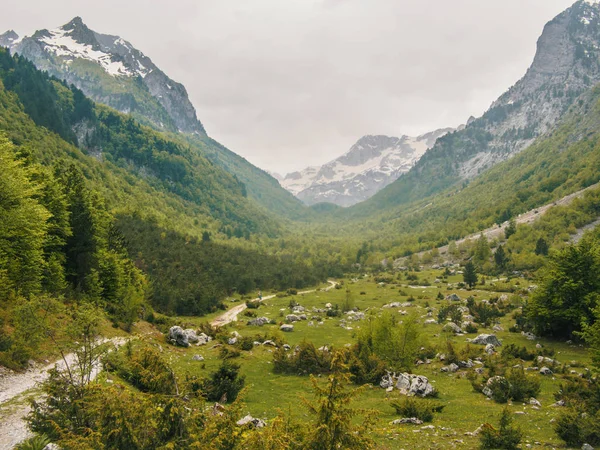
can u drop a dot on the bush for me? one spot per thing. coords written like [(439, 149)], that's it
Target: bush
[(515, 351), (507, 437), (246, 343), (253, 305), (522, 386), (419, 408), (471, 328), (225, 384), (34, 443), (306, 360), (500, 388)]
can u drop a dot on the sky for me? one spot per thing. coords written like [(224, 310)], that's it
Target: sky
[(292, 83)]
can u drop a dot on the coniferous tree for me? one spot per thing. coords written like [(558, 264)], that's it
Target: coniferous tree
[(469, 275), (501, 258), (541, 247)]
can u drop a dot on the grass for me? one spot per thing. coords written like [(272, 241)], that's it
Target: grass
[(465, 410)]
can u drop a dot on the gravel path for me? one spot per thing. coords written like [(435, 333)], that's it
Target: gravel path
[(231, 315), (15, 390)]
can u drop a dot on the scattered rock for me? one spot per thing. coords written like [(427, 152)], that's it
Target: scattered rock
[(587, 447), (191, 335), (251, 422), (259, 321), (270, 343), (529, 336), (51, 446), (453, 297), (286, 327), (452, 327), (545, 371), (411, 420), (232, 341), (490, 349), (198, 358), (287, 347), (498, 328), (484, 339), (292, 318), (559, 403), (450, 368), (535, 402), (408, 384), (178, 337), (429, 321)]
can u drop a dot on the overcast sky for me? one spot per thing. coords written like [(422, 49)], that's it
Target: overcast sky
[(291, 83)]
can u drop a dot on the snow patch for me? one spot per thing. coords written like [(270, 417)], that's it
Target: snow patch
[(60, 43)]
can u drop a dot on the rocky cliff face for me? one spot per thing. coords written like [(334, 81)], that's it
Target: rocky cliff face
[(566, 65), (370, 165), (111, 71)]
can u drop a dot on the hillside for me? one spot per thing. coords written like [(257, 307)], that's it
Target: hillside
[(111, 71), (566, 64)]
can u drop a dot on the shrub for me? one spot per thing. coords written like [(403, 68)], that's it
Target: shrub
[(246, 343), (306, 360), (34, 443), (522, 386), (471, 328), (507, 437), (419, 408), (253, 305), (224, 384), (500, 388)]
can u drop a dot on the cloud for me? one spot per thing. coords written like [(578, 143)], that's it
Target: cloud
[(293, 83)]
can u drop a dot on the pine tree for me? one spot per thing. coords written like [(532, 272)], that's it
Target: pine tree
[(333, 427), (500, 258), (511, 228), (541, 247), (469, 275)]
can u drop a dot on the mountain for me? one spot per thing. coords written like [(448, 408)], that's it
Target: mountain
[(566, 64), (109, 70), (369, 166)]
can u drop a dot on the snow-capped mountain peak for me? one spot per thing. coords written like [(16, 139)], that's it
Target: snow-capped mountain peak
[(67, 51), (370, 165)]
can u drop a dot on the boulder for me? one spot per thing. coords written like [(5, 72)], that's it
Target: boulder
[(430, 321), (485, 339), (287, 347), (453, 297), (585, 446), (197, 358), (490, 349), (292, 318), (178, 337), (465, 364), (286, 327), (411, 420), (269, 343), (51, 446), (450, 368), (408, 384), (328, 305), (529, 336), (203, 339), (535, 402), (545, 371), (251, 422), (452, 327), (259, 321), (298, 309), (232, 341), (191, 335)]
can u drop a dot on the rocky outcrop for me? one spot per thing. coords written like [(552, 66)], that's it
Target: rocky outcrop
[(407, 384), (486, 339)]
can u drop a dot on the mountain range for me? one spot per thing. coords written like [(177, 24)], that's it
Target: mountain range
[(111, 71), (370, 165)]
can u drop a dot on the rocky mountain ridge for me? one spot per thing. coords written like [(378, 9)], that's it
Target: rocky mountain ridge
[(566, 65), (128, 80), (370, 165)]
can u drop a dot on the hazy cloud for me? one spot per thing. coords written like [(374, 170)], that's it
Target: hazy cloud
[(290, 83)]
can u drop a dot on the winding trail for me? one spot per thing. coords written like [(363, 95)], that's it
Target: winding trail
[(15, 390), (231, 314)]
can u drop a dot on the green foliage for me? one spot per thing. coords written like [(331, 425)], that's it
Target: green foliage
[(225, 384), (421, 409), (469, 275), (569, 291), (145, 369), (506, 437), (305, 360), (333, 426), (395, 344), (579, 423), (34, 443), (522, 386)]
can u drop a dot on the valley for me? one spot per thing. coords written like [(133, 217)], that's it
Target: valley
[(429, 292)]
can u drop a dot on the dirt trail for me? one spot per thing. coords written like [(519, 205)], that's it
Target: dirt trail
[(231, 315), (16, 388), (526, 218)]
